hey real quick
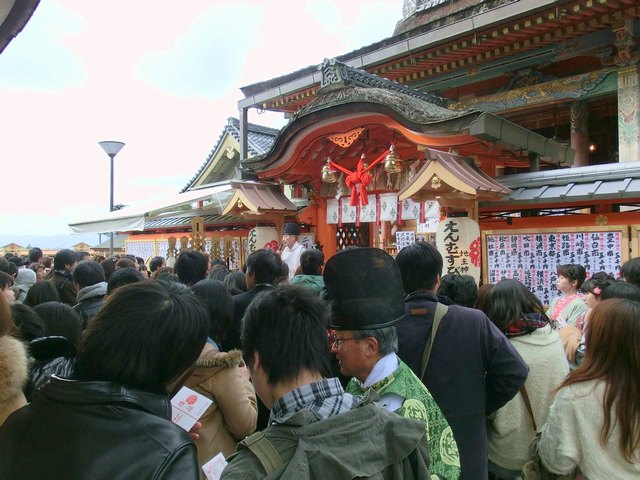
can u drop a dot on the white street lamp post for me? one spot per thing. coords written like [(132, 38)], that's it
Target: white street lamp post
[(111, 148)]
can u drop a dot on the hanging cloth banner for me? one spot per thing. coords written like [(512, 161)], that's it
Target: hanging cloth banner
[(333, 211), (432, 208), (348, 212), (410, 209), (458, 239), (369, 212), (388, 207)]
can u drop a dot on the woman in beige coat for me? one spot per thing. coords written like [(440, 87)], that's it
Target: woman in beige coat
[(222, 377)]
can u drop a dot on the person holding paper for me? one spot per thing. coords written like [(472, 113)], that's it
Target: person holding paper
[(222, 377), (111, 420)]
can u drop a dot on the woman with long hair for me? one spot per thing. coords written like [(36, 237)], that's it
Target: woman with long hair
[(594, 423), (519, 314)]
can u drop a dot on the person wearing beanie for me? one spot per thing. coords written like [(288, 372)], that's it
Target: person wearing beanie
[(24, 281), (92, 288), (292, 249)]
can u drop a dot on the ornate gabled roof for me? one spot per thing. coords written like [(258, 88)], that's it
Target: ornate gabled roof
[(259, 140), (352, 99), (336, 74), (449, 174), (257, 198)]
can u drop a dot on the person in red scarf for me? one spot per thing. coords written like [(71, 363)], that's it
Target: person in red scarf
[(519, 314)]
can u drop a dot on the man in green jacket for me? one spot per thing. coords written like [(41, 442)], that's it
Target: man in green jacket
[(316, 430), (367, 296)]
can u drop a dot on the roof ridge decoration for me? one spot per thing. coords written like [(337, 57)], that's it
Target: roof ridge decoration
[(336, 75)]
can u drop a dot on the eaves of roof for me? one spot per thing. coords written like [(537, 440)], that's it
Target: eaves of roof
[(577, 184), (259, 139), (398, 46), (15, 21)]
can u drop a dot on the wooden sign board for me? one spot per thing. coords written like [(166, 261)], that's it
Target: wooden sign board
[(532, 256)]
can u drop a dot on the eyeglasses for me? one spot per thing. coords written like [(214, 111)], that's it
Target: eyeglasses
[(339, 341)]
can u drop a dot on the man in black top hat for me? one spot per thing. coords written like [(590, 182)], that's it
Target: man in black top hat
[(292, 249), (365, 288), (316, 430)]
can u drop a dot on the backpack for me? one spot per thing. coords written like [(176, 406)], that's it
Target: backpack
[(379, 442)]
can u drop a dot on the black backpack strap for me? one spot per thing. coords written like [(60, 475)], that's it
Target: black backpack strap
[(264, 450)]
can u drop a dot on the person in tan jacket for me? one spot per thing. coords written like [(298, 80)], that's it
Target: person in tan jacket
[(222, 377)]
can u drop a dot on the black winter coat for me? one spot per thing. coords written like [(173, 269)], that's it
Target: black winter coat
[(473, 371), (53, 355), (95, 430)]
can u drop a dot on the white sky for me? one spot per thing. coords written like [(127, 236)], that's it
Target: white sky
[(160, 76)]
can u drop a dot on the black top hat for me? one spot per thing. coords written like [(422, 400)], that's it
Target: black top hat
[(364, 286), (292, 229)]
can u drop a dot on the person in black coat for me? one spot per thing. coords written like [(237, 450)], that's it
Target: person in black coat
[(473, 369), (111, 420), (264, 268)]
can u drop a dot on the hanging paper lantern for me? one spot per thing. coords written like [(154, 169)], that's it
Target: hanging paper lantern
[(263, 237), (458, 240)]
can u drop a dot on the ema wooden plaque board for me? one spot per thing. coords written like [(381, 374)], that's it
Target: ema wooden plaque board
[(533, 256)]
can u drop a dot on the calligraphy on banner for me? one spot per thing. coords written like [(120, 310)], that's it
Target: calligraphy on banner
[(404, 239), (533, 257), (458, 240), (263, 237), (143, 249)]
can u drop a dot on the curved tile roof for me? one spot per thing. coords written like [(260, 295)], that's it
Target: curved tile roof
[(259, 140)]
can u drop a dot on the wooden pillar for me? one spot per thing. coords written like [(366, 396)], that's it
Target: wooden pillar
[(243, 134), (580, 133), (629, 113)]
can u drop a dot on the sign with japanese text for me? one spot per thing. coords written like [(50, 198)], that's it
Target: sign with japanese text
[(458, 240), (533, 256)]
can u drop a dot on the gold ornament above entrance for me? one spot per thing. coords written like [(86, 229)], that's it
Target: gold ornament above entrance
[(345, 140)]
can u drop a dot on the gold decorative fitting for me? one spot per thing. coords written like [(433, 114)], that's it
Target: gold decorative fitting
[(602, 220), (346, 139), (392, 161), (436, 183)]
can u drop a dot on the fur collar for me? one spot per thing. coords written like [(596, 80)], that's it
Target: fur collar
[(213, 359), (13, 367)]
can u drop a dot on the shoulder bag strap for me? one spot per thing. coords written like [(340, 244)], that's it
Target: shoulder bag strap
[(264, 450), (525, 397), (441, 311)]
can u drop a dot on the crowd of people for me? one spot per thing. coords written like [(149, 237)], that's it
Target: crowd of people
[(367, 366)]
